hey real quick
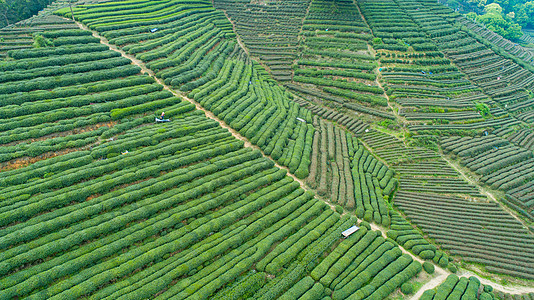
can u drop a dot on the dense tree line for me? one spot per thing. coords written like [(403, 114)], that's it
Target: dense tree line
[(517, 11), (12, 11), (505, 17), (497, 20)]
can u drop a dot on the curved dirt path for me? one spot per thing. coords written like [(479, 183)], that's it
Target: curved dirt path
[(441, 274), (376, 72), (484, 191), (208, 113), (510, 288), (238, 38), (439, 277)]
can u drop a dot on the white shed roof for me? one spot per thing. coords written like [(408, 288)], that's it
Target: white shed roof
[(350, 231)]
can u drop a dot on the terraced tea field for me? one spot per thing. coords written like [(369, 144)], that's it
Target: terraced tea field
[(184, 149)]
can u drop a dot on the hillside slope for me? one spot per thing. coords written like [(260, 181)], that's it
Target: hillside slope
[(100, 200)]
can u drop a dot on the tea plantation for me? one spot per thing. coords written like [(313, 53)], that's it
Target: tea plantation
[(194, 149)]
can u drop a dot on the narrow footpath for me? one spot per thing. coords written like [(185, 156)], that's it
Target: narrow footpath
[(208, 113), (484, 191), (438, 278)]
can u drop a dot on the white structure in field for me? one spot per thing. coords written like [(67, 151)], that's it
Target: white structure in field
[(350, 231)]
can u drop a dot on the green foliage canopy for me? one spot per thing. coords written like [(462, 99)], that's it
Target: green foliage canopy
[(12, 11)]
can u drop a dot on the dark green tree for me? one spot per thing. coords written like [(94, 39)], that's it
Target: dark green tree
[(12, 11)]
